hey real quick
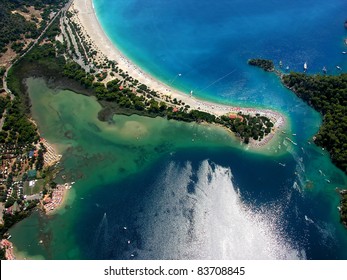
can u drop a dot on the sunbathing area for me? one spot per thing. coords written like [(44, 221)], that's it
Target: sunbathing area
[(8, 246), (50, 156), (52, 202)]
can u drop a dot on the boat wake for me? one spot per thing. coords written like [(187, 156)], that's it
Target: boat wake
[(196, 213)]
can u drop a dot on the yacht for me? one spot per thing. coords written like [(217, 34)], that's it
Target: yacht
[(305, 66)]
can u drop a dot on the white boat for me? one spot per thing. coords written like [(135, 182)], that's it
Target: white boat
[(338, 67), (305, 66), (324, 70), (344, 52)]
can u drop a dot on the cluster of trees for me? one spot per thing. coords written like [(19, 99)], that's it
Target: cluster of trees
[(10, 220), (4, 102), (328, 95), (247, 127), (265, 64), (343, 205), (14, 26), (17, 129)]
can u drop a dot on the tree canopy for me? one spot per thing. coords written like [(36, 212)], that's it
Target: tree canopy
[(328, 95)]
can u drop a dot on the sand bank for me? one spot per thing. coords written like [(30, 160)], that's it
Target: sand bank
[(86, 17)]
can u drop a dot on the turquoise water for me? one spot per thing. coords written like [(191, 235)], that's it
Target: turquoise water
[(157, 189)]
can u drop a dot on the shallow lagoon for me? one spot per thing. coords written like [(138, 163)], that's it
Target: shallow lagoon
[(168, 182)]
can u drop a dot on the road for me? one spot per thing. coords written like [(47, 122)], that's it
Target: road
[(4, 79), (63, 10)]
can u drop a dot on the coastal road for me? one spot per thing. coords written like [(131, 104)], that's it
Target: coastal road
[(4, 78), (63, 10)]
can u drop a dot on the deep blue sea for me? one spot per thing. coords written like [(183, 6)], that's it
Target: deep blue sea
[(213, 201), (291, 211)]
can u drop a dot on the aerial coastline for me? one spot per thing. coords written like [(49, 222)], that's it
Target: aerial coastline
[(285, 162), (84, 16)]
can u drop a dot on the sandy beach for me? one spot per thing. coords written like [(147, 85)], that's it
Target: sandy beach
[(58, 199), (86, 17)]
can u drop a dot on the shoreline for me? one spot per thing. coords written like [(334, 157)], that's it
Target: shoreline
[(58, 200), (91, 27)]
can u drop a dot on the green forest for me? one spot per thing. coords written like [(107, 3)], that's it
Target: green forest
[(13, 26), (265, 64), (328, 95)]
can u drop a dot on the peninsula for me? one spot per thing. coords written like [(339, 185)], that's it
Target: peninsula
[(93, 51)]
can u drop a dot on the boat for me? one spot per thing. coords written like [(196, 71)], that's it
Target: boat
[(324, 70), (327, 180), (338, 67), (344, 52), (305, 66), (287, 68), (281, 64), (282, 164)]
